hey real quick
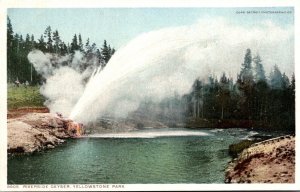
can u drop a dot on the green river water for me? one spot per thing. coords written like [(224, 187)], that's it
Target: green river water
[(199, 157)]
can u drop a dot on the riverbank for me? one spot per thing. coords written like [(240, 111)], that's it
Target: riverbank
[(269, 161), (34, 129)]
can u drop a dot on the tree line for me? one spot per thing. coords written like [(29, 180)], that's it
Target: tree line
[(252, 100), (18, 47), (260, 101)]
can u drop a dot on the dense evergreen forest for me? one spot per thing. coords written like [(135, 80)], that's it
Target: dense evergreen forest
[(254, 99), (18, 47), (262, 101)]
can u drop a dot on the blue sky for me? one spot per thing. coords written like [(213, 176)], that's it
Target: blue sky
[(120, 25)]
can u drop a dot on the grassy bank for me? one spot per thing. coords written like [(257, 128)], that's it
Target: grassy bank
[(24, 97), (236, 148)]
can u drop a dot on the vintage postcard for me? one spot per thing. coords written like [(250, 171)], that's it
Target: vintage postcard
[(140, 95)]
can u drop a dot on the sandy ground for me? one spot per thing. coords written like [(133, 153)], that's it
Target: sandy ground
[(270, 161), (14, 113)]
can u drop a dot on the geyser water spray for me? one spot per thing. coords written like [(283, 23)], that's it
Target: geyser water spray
[(159, 63)]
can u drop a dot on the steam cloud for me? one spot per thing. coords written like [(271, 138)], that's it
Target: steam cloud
[(159, 63), (64, 79)]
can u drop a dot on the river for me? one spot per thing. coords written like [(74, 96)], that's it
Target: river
[(144, 156)]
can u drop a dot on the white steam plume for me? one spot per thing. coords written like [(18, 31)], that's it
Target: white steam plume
[(159, 63), (65, 78)]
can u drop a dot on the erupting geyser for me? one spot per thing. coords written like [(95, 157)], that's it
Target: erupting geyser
[(159, 63)]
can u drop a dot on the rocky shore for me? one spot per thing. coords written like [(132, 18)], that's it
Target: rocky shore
[(269, 161), (33, 132)]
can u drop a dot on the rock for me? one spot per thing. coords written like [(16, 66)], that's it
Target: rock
[(36, 131), (21, 137), (271, 161), (228, 180), (49, 146)]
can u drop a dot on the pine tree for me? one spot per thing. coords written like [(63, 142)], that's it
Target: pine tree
[(291, 103), (246, 72), (74, 44), (18, 67), (32, 42), (99, 57), (292, 86), (80, 43), (197, 98), (68, 48), (246, 84), (16, 42), (285, 81), (89, 48), (276, 80), (261, 89), (21, 40), (87, 45), (27, 42), (223, 94), (113, 51), (47, 35), (259, 69), (10, 55), (93, 48), (105, 52), (109, 50), (63, 48), (10, 34), (41, 44), (279, 98), (57, 42)]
